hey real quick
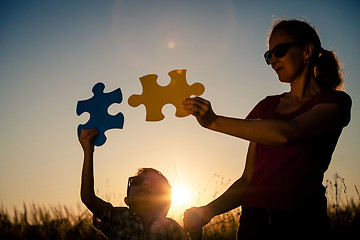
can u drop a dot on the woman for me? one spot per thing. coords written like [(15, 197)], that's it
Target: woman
[(292, 137)]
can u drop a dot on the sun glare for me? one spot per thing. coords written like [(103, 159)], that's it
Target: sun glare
[(180, 196), (171, 44)]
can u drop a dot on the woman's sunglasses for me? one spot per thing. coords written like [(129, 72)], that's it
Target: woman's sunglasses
[(279, 51)]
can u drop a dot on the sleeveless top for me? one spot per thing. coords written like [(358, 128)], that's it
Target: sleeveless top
[(290, 177)]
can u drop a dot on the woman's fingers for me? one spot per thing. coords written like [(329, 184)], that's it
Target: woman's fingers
[(194, 219), (196, 105), (201, 109), (196, 101), (191, 221)]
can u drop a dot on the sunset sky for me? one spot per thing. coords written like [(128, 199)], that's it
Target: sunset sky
[(53, 52)]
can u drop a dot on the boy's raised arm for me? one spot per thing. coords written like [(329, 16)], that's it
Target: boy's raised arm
[(88, 197)]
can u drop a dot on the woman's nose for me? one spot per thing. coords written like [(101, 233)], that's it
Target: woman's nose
[(273, 60)]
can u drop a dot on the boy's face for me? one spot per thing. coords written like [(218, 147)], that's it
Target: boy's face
[(147, 191)]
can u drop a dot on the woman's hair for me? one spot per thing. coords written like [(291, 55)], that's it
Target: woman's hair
[(326, 66)]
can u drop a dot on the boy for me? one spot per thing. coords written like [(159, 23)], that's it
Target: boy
[(148, 198)]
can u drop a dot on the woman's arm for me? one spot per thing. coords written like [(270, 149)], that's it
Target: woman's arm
[(88, 197), (197, 217), (320, 119), (232, 198)]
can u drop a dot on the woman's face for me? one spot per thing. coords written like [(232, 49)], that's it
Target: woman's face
[(290, 66)]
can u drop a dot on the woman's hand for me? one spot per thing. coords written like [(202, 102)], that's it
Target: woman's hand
[(201, 109), (195, 218), (87, 138)]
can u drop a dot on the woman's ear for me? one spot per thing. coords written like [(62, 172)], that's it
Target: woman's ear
[(126, 200), (309, 50)]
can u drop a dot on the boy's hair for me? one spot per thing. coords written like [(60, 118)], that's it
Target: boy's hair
[(151, 170), (144, 171)]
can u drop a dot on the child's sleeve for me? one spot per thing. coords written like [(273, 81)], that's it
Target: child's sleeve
[(111, 220), (100, 221)]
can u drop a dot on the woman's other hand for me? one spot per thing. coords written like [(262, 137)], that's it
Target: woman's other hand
[(195, 218)]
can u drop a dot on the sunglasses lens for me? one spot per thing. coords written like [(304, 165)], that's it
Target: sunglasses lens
[(136, 181), (267, 56), (280, 51)]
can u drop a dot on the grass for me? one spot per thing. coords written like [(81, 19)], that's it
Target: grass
[(54, 222), (223, 226), (60, 222), (344, 214)]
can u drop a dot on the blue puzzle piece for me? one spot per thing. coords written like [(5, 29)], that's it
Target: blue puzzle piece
[(97, 106)]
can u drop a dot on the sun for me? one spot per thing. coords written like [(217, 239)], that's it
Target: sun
[(180, 195), (171, 44)]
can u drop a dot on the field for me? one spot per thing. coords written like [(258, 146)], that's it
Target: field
[(60, 222)]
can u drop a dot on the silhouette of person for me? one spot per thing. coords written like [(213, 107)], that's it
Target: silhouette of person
[(148, 198), (292, 137)]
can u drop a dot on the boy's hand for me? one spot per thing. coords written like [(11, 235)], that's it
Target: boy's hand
[(86, 139)]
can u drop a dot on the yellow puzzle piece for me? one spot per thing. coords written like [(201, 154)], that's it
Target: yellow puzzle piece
[(154, 96)]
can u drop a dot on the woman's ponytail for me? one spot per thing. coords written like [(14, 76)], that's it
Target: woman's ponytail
[(327, 70)]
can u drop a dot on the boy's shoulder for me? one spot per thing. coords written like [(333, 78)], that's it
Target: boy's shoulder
[(121, 221), (117, 214), (165, 222), (167, 228)]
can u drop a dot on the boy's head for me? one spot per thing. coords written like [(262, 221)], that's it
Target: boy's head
[(148, 189)]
